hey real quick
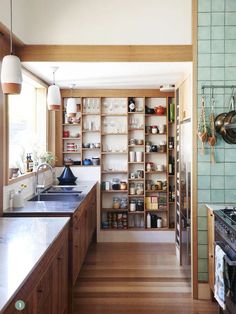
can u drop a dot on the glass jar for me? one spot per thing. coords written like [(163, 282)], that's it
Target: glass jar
[(140, 189), (115, 184), (123, 203), (154, 129), (148, 185), (140, 205), (132, 206), (132, 189), (116, 202), (123, 185)]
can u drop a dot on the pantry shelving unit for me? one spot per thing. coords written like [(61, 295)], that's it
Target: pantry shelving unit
[(111, 125)]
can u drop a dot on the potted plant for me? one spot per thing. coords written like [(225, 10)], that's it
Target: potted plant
[(48, 157)]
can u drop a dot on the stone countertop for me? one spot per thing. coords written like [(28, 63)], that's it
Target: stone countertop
[(219, 206), (53, 207), (23, 243)]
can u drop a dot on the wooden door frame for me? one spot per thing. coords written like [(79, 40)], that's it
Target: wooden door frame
[(121, 53)]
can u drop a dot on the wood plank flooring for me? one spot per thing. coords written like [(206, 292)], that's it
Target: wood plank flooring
[(143, 278)]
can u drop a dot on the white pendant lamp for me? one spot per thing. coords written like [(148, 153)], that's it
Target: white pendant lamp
[(71, 106), (11, 75), (54, 95)]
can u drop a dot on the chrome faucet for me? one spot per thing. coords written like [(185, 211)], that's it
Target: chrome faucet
[(40, 187)]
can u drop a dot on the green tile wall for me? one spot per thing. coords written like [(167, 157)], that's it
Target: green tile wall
[(216, 65)]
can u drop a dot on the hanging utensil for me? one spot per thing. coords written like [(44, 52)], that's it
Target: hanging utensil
[(230, 119), (212, 137), (202, 128)]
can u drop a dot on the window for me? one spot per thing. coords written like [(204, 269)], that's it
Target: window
[(27, 124)]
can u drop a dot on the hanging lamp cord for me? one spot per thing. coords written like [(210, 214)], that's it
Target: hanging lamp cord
[(11, 27)]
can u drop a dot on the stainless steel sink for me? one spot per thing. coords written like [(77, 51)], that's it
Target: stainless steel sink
[(63, 189), (55, 197)]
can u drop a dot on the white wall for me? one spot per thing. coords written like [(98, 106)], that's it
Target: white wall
[(100, 22)]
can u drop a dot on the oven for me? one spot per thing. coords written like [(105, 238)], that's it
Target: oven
[(225, 238)]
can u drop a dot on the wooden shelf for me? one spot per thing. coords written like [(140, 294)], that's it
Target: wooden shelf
[(154, 172), (114, 171), (142, 179), (137, 112), (72, 138), (155, 134), (154, 153), (156, 191), (114, 153), (156, 210), (114, 114), (104, 134), (90, 149), (135, 196), (158, 229), (70, 124), (115, 210), (171, 175), (136, 162), (91, 114), (136, 129), (78, 152), (136, 145), (154, 115), (136, 213), (90, 131), (114, 191)]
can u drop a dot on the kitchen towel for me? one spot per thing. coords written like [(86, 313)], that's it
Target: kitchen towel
[(219, 288)]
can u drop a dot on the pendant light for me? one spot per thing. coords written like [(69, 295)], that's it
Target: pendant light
[(54, 95), (11, 74), (71, 106)]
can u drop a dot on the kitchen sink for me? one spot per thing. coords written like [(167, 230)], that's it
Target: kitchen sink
[(63, 189), (75, 197)]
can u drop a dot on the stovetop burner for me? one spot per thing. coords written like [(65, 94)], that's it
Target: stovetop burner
[(230, 213)]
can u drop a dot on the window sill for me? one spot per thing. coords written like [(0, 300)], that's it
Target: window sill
[(24, 176)]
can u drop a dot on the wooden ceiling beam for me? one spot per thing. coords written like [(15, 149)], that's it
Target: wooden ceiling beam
[(105, 53)]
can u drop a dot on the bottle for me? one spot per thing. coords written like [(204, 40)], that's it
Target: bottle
[(171, 165), (131, 105), (171, 143), (170, 194), (172, 112), (148, 220), (29, 163)]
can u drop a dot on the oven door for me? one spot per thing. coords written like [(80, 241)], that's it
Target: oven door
[(229, 275)]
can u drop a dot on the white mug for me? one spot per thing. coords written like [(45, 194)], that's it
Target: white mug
[(131, 156), (71, 147), (139, 156)]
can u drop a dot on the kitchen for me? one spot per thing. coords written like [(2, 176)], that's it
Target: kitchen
[(207, 180)]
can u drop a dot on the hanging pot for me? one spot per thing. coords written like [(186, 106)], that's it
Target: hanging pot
[(219, 122), (230, 119)]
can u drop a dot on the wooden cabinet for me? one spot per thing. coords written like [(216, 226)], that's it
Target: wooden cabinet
[(211, 252), (46, 290), (84, 225)]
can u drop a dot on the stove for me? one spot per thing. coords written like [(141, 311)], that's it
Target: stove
[(225, 236)]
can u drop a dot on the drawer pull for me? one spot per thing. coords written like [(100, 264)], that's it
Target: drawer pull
[(40, 290)]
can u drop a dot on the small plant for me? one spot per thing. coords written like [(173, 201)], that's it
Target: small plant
[(48, 157), (22, 187)]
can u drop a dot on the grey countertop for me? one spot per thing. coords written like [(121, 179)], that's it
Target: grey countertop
[(23, 243), (53, 207), (219, 206)]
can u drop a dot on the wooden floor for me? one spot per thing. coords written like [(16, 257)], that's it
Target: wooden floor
[(122, 278)]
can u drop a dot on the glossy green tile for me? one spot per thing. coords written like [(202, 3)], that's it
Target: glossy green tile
[(202, 210), (230, 59), (217, 169), (217, 46), (219, 154), (218, 5), (202, 251), (203, 265), (218, 18), (203, 157), (204, 19), (230, 5), (204, 60), (230, 72), (204, 196), (230, 195), (217, 183), (230, 32), (217, 60), (202, 223), (230, 155), (203, 277), (204, 32), (217, 32), (217, 196), (204, 182), (202, 237), (204, 74), (204, 168), (230, 182), (230, 169), (230, 18), (217, 73), (230, 46), (204, 5), (204, 46)]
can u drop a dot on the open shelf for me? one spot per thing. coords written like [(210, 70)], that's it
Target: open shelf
[(114, 191), (72, 138)]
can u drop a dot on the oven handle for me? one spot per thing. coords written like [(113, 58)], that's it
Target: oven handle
[(227, 259)]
